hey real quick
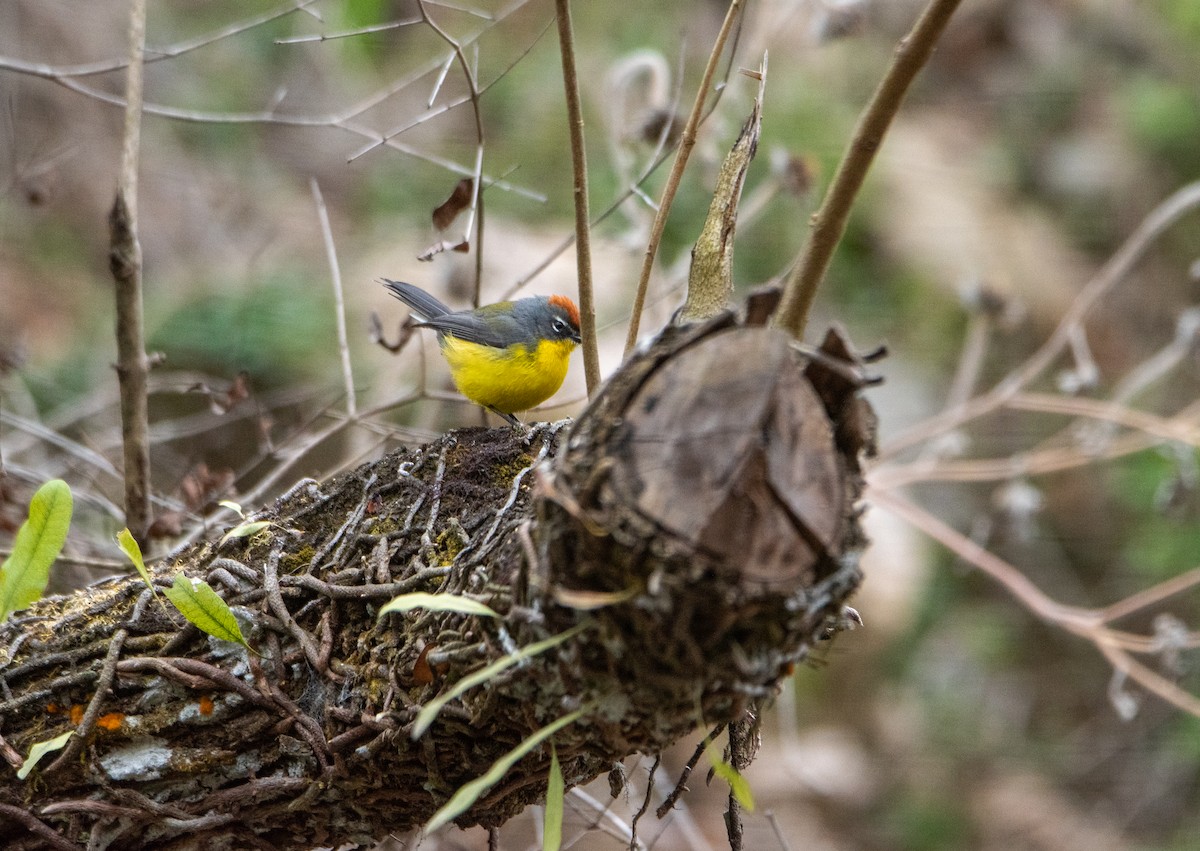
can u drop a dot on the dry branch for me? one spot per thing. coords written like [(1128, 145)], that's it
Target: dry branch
[(829, 223), (583, 239), (696, 529), (125, 261)]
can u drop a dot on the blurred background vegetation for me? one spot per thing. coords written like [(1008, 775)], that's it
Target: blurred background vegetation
[(1038, 138)]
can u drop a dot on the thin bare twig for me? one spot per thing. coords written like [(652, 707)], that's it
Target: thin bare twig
[(38, 828), (599, 816), (1181, 427), (67, 76), (829, 223), (1075, 619), (475, 209), (979, 332), (338, 297), (151, 54), (1152, 681), (1004, 468), (681, 785), (633, 823), (1147, 430), (780, 836), (357, 31), (108, 672), (1118, 267), (687, 140), (125, 261), (1152, 595), (583, 246), (1089, 624), (46, 435)]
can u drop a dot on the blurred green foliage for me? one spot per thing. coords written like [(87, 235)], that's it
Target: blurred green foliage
[(1163, 117), (1183, 17), (1163, 514), (1182, 738), (69, 380), (279, 330), (923, 822)]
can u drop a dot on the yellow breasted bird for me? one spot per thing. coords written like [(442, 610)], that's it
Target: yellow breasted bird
[(509, 356)]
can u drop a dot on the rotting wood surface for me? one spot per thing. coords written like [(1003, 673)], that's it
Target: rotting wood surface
[(699, 521)]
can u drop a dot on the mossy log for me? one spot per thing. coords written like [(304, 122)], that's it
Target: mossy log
[(697, 523)]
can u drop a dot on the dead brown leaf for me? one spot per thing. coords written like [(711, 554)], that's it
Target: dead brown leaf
[(459, 200)]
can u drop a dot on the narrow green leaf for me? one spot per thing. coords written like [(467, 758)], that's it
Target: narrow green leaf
[(199, 603), (24, 574), (437, 603), (587, 601), (232, 506), (430, 710), (39, 750), (555, 789), (737, 783), (465, 797), (129, 546), (245, 530)]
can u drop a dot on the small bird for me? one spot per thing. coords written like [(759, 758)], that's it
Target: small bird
[(509, 356)]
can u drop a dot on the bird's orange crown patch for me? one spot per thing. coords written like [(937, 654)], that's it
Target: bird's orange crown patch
[(567, 305)]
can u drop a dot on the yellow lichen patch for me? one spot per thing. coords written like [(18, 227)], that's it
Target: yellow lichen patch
[(449, 544), (297, 561), (383, 526)]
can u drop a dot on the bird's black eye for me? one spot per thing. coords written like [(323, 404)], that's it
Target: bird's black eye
[(560, 327)]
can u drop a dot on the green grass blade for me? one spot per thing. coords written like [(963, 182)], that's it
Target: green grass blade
[(555, 793), (245, 530), (437, 603), (430, 710), (465, 797), (232, 506), (40, 539)]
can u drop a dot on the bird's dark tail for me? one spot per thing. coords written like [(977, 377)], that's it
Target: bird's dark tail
[(422, 303)]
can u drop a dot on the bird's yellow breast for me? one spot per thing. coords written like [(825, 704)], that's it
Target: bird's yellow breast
[(513, 379)]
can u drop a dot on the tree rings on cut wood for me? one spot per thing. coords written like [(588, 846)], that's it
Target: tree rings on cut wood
[(727, 447)]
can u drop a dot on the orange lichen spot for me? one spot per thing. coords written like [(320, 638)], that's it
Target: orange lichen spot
[(206, 705), (111, 721), (567, 305), (53, 708), (77, 713)]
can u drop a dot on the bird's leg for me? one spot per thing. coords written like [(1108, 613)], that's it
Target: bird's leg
[(513, 421)]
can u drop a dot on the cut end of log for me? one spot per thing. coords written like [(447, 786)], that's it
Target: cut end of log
[(714, 484)]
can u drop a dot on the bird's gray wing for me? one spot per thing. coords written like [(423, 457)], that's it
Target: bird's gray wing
[(497, 331)]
